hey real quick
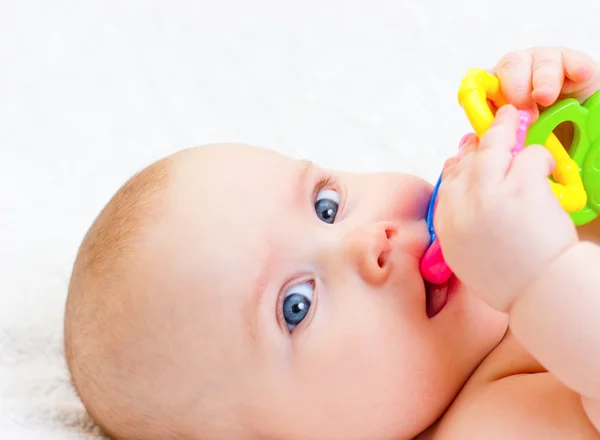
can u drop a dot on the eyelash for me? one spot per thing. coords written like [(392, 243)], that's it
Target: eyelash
[(327, 182)]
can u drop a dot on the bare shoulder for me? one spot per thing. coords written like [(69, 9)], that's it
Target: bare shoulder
[(522, 406)]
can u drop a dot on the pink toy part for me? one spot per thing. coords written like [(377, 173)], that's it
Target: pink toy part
[(433, 266), (524, 121)]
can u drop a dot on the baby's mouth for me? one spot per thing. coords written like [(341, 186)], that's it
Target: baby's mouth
[(436, 296)]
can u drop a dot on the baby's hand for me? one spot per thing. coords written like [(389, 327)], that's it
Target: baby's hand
[(497, 219), (540, 76)]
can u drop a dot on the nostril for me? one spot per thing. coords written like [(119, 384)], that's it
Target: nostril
[(382, 259)]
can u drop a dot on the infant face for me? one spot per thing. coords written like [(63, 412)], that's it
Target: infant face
[(298, 297), (286, 302)]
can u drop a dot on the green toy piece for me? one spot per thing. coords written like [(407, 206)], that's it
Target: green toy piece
[(585, 149)]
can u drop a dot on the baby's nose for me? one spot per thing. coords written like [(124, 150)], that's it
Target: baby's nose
[(368, 250)]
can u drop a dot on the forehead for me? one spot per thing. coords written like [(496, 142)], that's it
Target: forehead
[(227, 207), (244, 172), (244, 181)]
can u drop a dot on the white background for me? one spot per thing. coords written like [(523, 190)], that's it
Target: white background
[(91, 92)]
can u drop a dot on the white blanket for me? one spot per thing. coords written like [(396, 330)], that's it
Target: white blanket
[(90, 92)]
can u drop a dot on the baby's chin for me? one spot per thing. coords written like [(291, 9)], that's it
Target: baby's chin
[(465, 328)]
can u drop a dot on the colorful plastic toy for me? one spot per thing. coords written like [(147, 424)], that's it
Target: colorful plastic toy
[(576, 179), (479, 86)]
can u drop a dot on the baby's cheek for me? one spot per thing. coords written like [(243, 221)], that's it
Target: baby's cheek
[(368, 362)]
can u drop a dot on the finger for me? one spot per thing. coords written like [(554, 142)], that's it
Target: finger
[(582, 75), (533, 164), (469, 144), (578, 66), (466, 138), (547, 75), (495, 150), (502, 134), (514, 72), (450, 169)]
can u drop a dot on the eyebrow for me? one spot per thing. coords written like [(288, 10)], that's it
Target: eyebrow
[(298, 195)]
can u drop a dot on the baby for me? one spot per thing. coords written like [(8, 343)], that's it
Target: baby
[(228, 292)]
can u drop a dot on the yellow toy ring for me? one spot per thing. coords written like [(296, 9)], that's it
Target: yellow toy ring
[(479, 86)]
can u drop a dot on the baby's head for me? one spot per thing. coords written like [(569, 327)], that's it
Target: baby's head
[(229, 292)]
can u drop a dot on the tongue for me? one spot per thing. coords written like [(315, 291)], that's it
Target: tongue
[(437, 294)]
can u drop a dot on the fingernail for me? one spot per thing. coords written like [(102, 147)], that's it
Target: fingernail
[(465, 140), (503, 109), (462, 150)]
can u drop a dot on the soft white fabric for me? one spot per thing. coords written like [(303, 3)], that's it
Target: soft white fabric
[(90, 92)]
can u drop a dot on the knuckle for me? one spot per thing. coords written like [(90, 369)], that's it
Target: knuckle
[(543, 79), (467, 225), (511, 60), (539, 150), (545, 71), (446, 195), (449, 173), (543, 63), (538, 153), (520, 91), (498, 134), (574, 53), (489, 207), (496, 130)]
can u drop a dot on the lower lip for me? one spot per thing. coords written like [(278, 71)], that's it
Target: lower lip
[(438, 295)]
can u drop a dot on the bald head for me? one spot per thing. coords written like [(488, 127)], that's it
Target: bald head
[(102, 307)]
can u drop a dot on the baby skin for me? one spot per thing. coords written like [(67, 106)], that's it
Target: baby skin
[(229, 292)]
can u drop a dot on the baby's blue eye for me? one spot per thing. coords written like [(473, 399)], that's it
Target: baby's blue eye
[(327, 204), (297, 304)]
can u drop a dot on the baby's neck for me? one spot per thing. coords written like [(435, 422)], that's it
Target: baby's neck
[(509, 358)]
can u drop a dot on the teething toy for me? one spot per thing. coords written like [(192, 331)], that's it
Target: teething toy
[(433, 266), (576, 178)]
